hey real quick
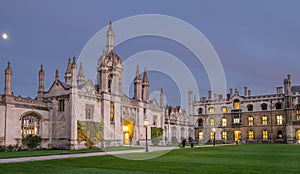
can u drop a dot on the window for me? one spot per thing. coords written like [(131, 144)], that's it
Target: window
[(200, 110), (212, 122), (250, 120), (278, 105), (30, 125), (250, 107), (154, 120), (61, 105), (224, 109), (200, 122), (236, 104), (211, 110), (251, 135), (279, 134), (112, 112), (237, 118), (265, 134), (264, 106), (298, 112), (224, 122), (89, 112), (200, 135), (279, 119), (224, 135), (264, 120), (212, 135)]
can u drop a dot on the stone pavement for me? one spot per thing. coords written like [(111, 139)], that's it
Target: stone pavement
[(78, 155)]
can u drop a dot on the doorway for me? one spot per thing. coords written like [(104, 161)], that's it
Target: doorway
[(128, 128), (237, 135)]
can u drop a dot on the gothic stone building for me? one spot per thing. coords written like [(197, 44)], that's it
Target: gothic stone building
[(76, 112), (245, 118)]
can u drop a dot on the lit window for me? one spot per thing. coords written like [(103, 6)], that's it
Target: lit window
[(89, 112), (279, 119), (264, 120), (112, 112), (264, 106), (224, 109), (250, 120), (212, 122), (250, 107), (212, 135), (251, 135), (224, 135), (211, 110), (30, 125), (61, 105), (279, 134), (298, 112), (236, 104), (265, 134), (237, 118), (298, 134), (200, 135), (224, 122)]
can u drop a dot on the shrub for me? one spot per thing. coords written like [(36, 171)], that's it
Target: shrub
[(31, 141)]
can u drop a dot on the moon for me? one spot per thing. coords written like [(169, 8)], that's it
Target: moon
[(4, 36)]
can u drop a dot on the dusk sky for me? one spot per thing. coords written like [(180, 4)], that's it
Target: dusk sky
[(258, 42)]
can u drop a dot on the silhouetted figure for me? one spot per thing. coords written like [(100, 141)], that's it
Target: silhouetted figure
[(192, 143), (183, 142)]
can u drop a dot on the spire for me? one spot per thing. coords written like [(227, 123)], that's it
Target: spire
[(68, 73), (80, 77), (56, 75), (41, 81), (8, 80), (137, 74), (145, 78), (110, 38), (138, 85)]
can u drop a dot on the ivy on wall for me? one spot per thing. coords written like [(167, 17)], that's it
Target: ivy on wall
[(156, 135), (90, 131)]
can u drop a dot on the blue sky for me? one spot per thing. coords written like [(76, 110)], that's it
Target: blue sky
[(258, 42)]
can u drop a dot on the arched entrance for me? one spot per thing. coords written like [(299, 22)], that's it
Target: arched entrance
[(237, 135), (298, 136), (128, 129)]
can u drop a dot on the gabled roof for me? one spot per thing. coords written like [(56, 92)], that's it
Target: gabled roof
[(63, 84), (86, 85)]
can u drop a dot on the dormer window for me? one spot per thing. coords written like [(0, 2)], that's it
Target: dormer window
[(264, 106)]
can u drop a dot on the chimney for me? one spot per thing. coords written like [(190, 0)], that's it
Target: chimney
[(209, 95), (215, 96), (245, 91)]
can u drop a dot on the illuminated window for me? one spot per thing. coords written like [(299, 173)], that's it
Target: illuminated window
[(264, 120), (279, 119), (236, 104), (89, 111), (237, 118), (250, 120), (278, 105), (212, 122), (200, 135), (211, 110), (61, 105), (224, 135), (250, 107), (30, 125), (279, 134), (224, 109), (265, 134), (212, 135), (200, 110), (298, 112), (112, 112), (298, 134), (264, 106), (251, 135), (224, 122)]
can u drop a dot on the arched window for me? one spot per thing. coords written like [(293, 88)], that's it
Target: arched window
[(265, 134), (279, 119), (264, 106), (30, 124), (200, 122), (250, 107), (211, 110), (200, 110), (224, 135), (279, 134), (236, 104), (251, 135), (250, 120), (264, 120), (224, 109), (200, 135), (278, 105)]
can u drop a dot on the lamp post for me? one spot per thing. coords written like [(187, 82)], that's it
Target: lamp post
[(214, 140), (146, 122)]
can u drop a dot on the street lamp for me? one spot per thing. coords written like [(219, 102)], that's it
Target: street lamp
[(146, 122), (214, 140)]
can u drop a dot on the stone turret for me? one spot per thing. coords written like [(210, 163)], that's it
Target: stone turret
[(145, 87), (138, 85), (41, 81), (80, 76), (110, 38), (73, 69), (68, 73), (8, 80)]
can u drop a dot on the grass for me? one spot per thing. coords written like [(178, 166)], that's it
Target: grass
[(45, 152), (249, 158)]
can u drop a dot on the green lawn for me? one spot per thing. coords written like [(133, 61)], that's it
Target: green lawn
[(250, 158), (58, 152)]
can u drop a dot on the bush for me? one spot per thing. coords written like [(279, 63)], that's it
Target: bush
[(31, 141)]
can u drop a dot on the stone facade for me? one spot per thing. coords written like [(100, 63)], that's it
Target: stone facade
[(68, 114), (245, 118)]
